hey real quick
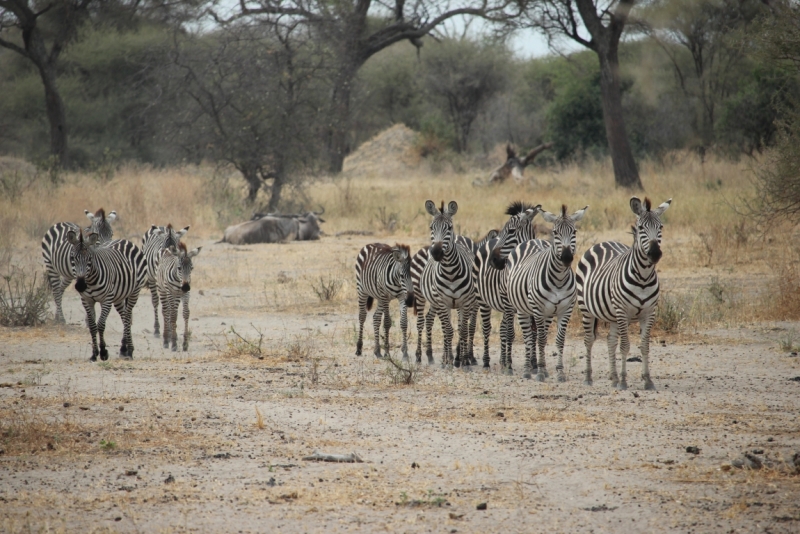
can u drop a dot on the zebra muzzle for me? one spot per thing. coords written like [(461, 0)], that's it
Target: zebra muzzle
[(410, 300), (437, 251), (566, 256), (80, 285), (654, 252), (185, 287), (498, 261)]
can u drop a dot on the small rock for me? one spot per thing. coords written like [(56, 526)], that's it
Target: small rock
[(169, 480), (222, 455), (770, 439), (454, 515), (795, 459), (481, 506), (133, 473), (83, 407), (693, 450), (793, 354), (414, 465), (747, 460), (271, 482), (121, 408), (500, 414), (795, 379), (117, 519), (634, 359), (758, 451), (67, 405), (636, 395)]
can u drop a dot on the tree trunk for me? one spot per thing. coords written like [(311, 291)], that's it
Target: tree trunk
[(253, 181), (56, 114), (275, 194), (625, 172), (339, 126)]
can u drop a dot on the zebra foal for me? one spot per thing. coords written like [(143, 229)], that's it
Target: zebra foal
[(156, 240), (446, 281), (541, 287), (56, 252), (111, 274), (383, 273), (490, 278), (173, 283), (617, 284)]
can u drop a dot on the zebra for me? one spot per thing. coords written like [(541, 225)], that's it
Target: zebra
[(383, 273), (617, 284), (56, 250), (173, 283), (154, 242), (110, 273), (541, 287), (490, 278), (418, 262), (446, 282)]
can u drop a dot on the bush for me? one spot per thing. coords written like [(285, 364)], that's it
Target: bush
[(23, 302)]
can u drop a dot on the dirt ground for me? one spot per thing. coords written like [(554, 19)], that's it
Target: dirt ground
[(212, 440)]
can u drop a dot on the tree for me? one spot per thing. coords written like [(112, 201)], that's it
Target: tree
[(251, 102), (465, 74), (354, 31), (38, 23), (713, 33), (604, 21)]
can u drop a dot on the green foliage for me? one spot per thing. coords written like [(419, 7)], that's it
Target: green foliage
[(575, 118)]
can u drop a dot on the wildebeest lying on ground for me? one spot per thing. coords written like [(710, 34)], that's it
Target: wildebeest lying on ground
[(271, 228)]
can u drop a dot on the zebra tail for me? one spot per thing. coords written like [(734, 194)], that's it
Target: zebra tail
[(370, 300)]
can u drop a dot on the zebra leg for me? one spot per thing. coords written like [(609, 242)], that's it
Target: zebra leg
[(121, 310), (186, 333), (376, 326), (447, 334), (486, 328), (465, 316), (647, 324), (154, 299), (362, 316), (525, 324), (404, 328), (429, 317), (173, 325), (387, 324), (563, 323), (166, 309), (57, 286), (105, 309), (589, 335), (613, 336), (542, 326), (510, 335), (472, 327), (90, 322), (420, 323), (130, 302)]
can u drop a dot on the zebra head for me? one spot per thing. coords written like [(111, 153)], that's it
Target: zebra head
[(171, 237), (80, 256), (101, 223), (185, 266), (402, 257), (648, 227), (563, 238), (518, 229), (441, 228)]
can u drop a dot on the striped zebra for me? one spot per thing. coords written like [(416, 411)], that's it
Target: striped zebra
[(154, 242), (618, 284), (56, 250), (541, 287), (418, 262), (383, 273), (110, 273), (490, 278), (173, 283), (446, 281)]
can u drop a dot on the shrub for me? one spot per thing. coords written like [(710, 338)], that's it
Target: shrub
[(23, 302)]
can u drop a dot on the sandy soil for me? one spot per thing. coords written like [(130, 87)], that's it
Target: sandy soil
[(173, 442)]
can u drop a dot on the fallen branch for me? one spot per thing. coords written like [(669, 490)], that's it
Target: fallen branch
[(351, 458)]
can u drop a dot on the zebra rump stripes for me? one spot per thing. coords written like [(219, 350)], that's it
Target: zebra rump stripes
[(154, 242), (56, 252), (383, 273), (111, 274), (618, 284), (173, 282)]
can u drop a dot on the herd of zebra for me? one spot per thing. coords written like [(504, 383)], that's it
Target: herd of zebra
[(112, 272), (518, 275)]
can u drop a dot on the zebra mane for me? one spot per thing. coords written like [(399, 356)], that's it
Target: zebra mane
[(169, 226), (441, 209), (383, 248), (517, 207), (563, 210), (101, 213), (182, 247), (647, 204), (404, 247)]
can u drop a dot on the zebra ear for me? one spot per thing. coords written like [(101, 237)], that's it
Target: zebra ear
[(530, 213), (399, 254), (430, 207), (182, 232), (111, 217), (194, 252), (156, 230), (636, 206), (91, 239), (578, 215), (549, 217), (663, 207), (89, 215), (168, 252), (72, 237), (452, 208)]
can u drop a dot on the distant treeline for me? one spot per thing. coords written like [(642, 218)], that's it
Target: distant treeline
[(263, 98)]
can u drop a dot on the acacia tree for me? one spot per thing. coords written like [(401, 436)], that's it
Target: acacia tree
[(354, 31), (251, 102), (604, 22)]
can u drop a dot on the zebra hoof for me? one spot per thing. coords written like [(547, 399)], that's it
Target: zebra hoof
[(431, 362), (622, 385), (527, 374), (467, 368), (104, 354), (174, 348), (587, 383), (649, 386), (540, 377), (545, 373), (509, 371), (156, 333), (562, 378), (93, 358), (166, 344)]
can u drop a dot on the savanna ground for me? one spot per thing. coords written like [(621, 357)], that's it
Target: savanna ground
[(212, 440)]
